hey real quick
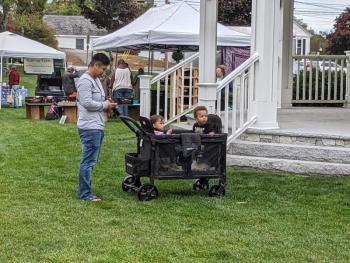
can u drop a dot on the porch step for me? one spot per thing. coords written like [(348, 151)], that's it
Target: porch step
[(291, 151), (292, 166), (296, 138)]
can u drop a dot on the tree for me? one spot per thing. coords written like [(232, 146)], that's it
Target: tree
[(26, 7), (33, 27), (318, 42), (5, 9), (109, 14), (63, 7), (235, 12), (339, 39)]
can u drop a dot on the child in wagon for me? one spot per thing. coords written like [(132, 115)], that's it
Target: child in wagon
[(157, 122), (168, 161), (202, 125)]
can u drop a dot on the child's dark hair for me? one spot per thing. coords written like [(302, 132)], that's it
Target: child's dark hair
[(100, 58), (199, 108), (155, 118)]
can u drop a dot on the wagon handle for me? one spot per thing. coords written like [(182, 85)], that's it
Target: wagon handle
[(128, 120)]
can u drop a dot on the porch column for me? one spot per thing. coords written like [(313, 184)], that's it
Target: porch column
[(207, 54), (145, 95), (1, 69), (265, 36), (286, 61)]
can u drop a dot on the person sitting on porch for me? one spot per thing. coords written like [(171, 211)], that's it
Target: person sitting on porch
[(220, 73), (121, 85)]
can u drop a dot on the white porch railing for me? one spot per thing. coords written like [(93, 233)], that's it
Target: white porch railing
[(237, 88), (321, 79), (178, 85), (235, 92)]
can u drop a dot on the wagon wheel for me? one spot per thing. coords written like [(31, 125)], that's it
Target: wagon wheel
[(201, 184), (127, 181), (217, 190), (147, 192)]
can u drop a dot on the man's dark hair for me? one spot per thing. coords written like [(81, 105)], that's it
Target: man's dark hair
[(100, 58), (199, 108)]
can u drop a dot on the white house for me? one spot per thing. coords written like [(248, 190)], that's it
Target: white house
[(73, 32), (301, 37)]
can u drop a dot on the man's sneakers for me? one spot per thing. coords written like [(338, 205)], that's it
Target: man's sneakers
[(92, 199)]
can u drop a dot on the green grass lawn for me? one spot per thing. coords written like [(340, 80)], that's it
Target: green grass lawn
[(264, 217)]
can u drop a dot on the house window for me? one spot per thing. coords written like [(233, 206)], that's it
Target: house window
[(79, 43), (304, 46), (299, 47)]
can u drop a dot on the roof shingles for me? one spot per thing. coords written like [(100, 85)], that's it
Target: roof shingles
[(73, 25)]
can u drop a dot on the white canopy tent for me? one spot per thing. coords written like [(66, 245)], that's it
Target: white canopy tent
[(169, 26), (13, 45)]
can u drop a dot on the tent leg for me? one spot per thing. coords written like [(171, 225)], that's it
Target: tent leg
[(152, 58), (1, 60), (149, 59)]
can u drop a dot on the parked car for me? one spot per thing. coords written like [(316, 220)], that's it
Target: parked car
[(316, 64), (331, 65), (303, 64)]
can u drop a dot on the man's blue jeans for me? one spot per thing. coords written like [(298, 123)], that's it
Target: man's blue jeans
[(91, 141)]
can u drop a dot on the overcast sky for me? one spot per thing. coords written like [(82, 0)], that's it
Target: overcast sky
[(318, 14)]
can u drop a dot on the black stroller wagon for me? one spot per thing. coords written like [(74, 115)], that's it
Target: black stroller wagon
[(181, 155)]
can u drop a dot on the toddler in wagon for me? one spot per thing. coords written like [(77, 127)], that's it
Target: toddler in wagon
[(157, 122)]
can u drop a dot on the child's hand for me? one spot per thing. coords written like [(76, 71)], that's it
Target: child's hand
[(170, 131), (211, 133)]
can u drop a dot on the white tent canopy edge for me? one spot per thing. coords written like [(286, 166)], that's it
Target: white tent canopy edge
[(13, 45), (167, 26)]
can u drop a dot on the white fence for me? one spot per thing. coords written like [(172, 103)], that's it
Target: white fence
[(321, 79)]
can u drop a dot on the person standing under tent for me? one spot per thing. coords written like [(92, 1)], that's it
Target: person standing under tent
[(121, 85), (68, 82), (14, 79)]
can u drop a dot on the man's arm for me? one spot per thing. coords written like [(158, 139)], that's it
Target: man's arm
[(85, 97)]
